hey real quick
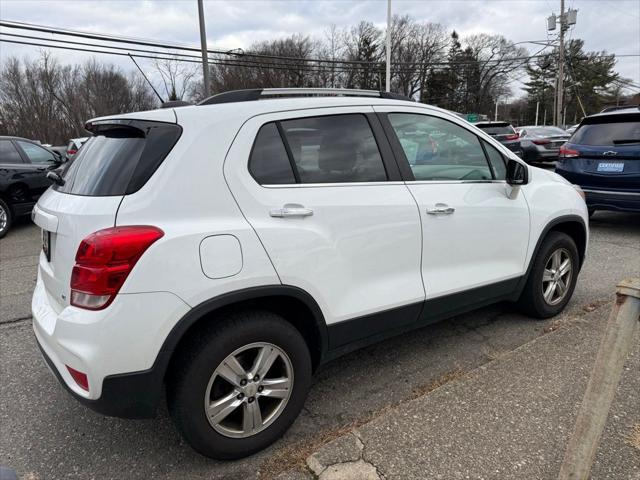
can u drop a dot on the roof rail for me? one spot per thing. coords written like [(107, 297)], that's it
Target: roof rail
[(261, 93), (618, 107)]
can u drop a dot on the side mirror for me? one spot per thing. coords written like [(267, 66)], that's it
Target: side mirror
[(517, 173)]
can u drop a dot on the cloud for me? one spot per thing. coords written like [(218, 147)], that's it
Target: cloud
[(613, 26)]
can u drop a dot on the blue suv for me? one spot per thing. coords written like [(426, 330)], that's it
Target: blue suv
[(603, 157)]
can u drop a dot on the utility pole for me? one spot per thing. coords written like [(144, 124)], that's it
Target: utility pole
[(565, 19), (495, 116), (388, 77), (203, 46), (560, 91), (537, 110)]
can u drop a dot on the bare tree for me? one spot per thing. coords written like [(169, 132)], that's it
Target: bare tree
[(177, 77), (46, 101)]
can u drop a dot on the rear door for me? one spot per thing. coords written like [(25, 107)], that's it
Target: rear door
[(475, 232), (321, 189), (15, 176), (118, 160)]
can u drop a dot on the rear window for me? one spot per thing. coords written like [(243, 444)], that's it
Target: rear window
[(545, 132), (610, 132), (497, 129), (119, 159)]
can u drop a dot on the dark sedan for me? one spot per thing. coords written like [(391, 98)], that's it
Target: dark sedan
[(542, 144), (504, 133), (24, 165), (603, 157)]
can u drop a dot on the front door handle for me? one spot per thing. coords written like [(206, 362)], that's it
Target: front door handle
[(441, 209), (291, 210)]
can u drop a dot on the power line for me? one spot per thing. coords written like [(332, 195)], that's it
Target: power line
[(112, 38)]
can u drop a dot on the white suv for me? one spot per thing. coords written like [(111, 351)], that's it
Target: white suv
[(226, 250)]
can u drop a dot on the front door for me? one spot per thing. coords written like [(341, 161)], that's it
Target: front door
[(476, 228)]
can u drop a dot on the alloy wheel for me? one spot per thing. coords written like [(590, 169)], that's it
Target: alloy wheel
[(557, 276), (4, 217), (249, 390)]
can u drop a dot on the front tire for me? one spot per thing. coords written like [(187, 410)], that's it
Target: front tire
[(240, 384), (552, 278), (6, 218)]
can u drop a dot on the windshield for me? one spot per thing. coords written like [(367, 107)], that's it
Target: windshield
[(608, 134)]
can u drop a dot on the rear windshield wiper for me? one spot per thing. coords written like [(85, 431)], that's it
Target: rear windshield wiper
[(626, 140)]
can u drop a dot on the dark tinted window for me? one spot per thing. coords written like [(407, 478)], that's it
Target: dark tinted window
[(35, 153), (9, 153), (119, 159), (437, 149), (269, 163), (608, 134), (497, 129), (497, 161), (334, 149)]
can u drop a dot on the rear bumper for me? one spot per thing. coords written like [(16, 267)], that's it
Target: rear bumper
[(118, 348), (612, 200), (128, 395)]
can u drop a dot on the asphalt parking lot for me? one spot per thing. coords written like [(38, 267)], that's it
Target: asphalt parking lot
[(44, 434)]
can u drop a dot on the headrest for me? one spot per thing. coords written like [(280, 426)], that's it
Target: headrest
[(337, 152)]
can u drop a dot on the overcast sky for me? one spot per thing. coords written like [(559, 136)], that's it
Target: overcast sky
[(611, 25)]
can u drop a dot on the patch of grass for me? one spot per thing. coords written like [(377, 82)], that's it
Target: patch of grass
[(294, 456), (633, 438)]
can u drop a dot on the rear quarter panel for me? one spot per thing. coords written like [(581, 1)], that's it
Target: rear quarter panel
[(188, 198)]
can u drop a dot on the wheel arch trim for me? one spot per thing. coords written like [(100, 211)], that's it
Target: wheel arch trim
[(551, 225)]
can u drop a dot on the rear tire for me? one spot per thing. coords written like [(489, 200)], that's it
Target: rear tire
[(6, 218), (199, 378), (549, 288)]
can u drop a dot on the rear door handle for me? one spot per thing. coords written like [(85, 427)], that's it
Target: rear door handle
[(441, 209), (292, 210)]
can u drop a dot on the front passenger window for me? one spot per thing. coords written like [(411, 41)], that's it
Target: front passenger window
[(497, 161), (437, 149), (35, 153)]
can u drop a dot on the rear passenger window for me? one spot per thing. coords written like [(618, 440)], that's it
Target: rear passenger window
[(497, 161), (269, 163), (334, 149), (8, 152)]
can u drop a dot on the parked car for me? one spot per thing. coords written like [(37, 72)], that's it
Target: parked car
[(542, 144), (504, 133), (603, 156), (24, 165), (572, 129), (74, 145), (229, 267)]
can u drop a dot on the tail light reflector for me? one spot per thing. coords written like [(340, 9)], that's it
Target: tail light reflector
[(541, 142), (79, 377), (104, 260), (566, 152)]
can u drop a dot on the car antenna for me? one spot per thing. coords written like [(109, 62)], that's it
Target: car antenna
[(145, 77)]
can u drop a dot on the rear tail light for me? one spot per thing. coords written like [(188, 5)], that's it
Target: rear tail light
[(79, 377), (566, 152), (104, 260), (72, 152), (515, 136), (541, 142)]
